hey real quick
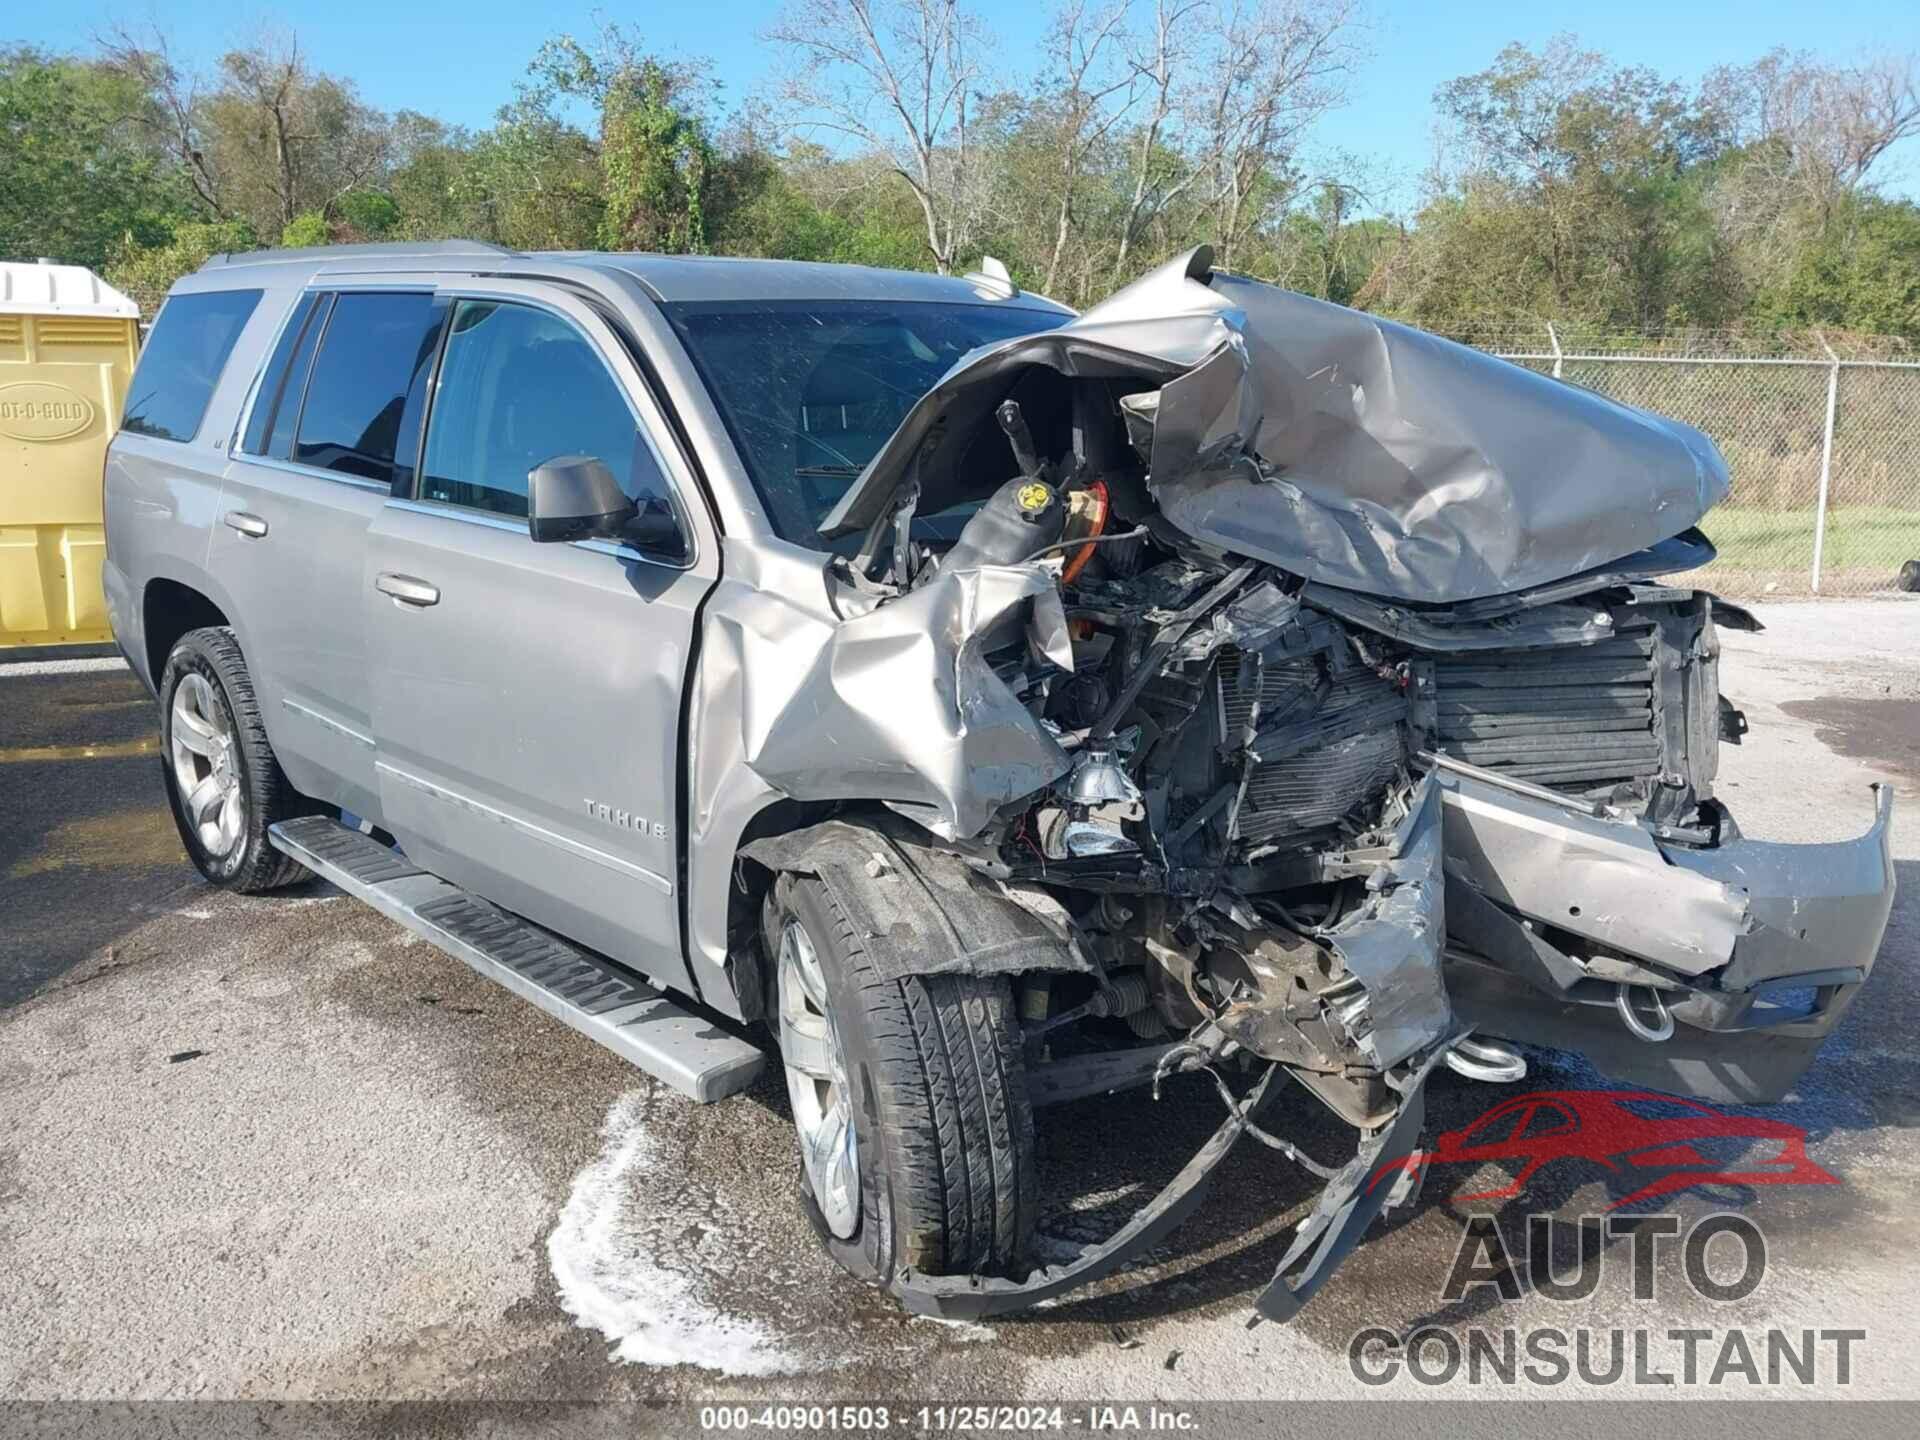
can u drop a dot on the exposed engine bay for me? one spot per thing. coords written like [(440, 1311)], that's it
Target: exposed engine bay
[(1214, 812)]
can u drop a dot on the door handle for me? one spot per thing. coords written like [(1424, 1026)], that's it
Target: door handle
[(248, 524), (407, 589)]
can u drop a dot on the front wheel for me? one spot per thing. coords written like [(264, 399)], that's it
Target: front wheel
[(909, 1098), (223, 783)]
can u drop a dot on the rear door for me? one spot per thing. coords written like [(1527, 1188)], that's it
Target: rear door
[(527, 697), (335, 413)]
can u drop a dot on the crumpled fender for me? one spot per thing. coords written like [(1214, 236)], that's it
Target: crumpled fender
[(899, 705)]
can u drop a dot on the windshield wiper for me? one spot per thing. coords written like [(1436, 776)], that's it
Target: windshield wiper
[(828, 469)]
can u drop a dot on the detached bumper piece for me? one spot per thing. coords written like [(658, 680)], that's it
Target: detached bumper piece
[(1559, 919)]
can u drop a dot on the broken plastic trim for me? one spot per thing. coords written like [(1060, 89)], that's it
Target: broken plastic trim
[(1358, 1192), (975, 1297)]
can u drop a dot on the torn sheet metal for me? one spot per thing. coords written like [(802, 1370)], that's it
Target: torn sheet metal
[(1334, 444), (1393, 942), (921, 910), (900, 705), (1603, 878)]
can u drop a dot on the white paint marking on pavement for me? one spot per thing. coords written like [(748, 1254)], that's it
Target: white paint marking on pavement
[(25, 669), (617, 1227), (972, 1332)]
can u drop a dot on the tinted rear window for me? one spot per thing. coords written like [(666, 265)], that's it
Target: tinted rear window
[(182, 361), (374, 346)]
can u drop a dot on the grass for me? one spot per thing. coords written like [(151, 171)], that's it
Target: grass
[(1773, 549)]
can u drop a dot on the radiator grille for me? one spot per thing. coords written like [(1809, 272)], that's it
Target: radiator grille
[(1579, 717)]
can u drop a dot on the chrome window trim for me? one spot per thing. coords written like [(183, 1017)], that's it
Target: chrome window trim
[(313, 472), (500, 522), (260, 371), (473, 288)]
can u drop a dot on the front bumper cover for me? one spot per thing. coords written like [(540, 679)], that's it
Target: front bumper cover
[(1784, 936)]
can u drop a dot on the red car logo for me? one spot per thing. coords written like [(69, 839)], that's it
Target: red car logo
[(1677, 1143)]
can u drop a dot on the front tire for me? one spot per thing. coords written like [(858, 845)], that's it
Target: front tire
[(223, 783), (927, 1070)]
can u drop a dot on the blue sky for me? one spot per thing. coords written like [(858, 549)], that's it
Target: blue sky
[(459, 58)]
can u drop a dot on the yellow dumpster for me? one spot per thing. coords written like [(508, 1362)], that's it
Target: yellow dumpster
[(67, 343)]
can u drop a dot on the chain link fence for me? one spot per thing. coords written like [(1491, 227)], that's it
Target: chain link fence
[(1822, 442)]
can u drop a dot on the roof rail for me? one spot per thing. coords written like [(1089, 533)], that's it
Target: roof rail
[(380, 250)]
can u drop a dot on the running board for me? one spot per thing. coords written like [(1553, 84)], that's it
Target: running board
[(606, 1004)]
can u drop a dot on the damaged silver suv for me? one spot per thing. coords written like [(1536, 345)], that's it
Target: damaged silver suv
[(977, 705)]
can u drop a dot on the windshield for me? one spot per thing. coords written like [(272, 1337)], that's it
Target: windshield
[(811, 389)]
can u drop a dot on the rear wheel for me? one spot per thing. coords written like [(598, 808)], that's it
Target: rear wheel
[(909, 1098), (223, 783)]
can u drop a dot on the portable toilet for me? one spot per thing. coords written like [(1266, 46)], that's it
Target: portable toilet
[(67, 346)]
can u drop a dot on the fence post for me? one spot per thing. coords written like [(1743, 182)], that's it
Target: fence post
[(1554, 339), (1826, 462)]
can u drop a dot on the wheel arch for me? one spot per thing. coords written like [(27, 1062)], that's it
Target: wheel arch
[(169, 609)]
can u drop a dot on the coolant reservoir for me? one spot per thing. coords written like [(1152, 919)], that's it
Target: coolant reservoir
[(1022, 516)]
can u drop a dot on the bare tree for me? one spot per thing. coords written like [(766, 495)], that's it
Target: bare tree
[(172, 114), (896, 76), (1821, 128), (1276, 67), (304, 139), (1160, 63), (1091, 90)]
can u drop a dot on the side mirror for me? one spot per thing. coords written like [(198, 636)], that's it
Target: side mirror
[(575, 497)]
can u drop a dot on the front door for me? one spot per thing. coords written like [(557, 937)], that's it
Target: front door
[(527, 697)]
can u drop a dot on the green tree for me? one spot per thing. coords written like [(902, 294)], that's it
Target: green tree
[(76, 177), (147, 272), (1862, 274)]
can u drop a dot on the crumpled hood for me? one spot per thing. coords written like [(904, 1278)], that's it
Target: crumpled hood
[(1337, 445)]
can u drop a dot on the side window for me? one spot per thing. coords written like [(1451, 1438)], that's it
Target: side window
[(182, 361), (378, 345), (276, 378), (518, 387)]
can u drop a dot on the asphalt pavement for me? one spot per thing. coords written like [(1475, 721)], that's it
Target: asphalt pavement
[(277, 1148)]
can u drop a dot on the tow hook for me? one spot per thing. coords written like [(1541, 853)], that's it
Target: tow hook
[(1662, 1027), (1484, 1061)]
